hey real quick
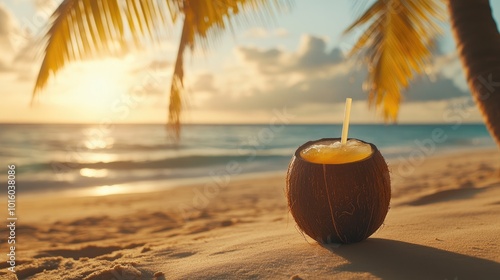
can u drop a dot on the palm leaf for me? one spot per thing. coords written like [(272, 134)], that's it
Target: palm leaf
[(204, 21), (86, 29), (396, 45)]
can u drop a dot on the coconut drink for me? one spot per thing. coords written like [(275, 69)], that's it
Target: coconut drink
[(338, 189)]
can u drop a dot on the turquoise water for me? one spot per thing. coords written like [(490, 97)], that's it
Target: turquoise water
[(76, 156)]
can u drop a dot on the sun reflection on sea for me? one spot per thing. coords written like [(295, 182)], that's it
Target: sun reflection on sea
[(100, 143), (99, 157), (94, 173)]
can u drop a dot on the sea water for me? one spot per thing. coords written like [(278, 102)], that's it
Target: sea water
[(72, 157)]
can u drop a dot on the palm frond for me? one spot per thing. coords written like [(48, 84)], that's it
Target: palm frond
[(203, 22), (85, 29), (177, 85), (396, 45)]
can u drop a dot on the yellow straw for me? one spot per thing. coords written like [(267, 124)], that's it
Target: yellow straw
[(345, 126)]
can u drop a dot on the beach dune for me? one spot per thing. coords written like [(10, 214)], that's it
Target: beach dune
[(443, 224)]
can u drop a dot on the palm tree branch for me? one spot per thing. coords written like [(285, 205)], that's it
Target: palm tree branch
[(85, 29), (397, 45), (177, 85), (204, 21)]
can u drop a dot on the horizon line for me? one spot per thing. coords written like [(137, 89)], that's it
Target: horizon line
[(228, 124)]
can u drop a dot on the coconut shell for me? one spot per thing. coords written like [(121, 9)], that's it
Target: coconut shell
[(338, 203)]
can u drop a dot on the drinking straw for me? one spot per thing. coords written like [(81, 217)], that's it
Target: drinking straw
[(345, 126)]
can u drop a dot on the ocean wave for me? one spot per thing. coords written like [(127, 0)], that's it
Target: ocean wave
[(167, 163), (142, 147), (474, 141), (449, 143)]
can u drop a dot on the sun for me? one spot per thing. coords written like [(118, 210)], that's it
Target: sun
[(97, 90), (91, 88)]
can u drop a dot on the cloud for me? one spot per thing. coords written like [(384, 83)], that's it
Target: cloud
[(16, 47), (449, 65), (313, 74), (439, 88), (312, 55), (8, 29), (280, 32), (256, 33), (204, 82), (151, 75), (312, 80), (261, 33), (160, 64), (267, 61), (154, 65)]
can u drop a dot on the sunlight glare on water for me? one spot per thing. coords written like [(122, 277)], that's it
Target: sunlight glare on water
[(94, 173)]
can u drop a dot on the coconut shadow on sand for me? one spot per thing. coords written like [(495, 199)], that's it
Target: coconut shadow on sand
[(391, 259)]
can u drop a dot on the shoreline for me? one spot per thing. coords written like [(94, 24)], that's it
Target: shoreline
[(149, 186), (158, 185)]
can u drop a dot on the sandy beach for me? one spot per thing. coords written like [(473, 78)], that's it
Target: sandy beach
[(150, 140), (443, 224)]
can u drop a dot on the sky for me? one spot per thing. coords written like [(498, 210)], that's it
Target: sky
[(293, 66)]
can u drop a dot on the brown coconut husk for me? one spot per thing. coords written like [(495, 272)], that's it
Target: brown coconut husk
[(338, 203)]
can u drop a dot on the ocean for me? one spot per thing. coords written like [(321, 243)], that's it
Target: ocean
[(142, 157)]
